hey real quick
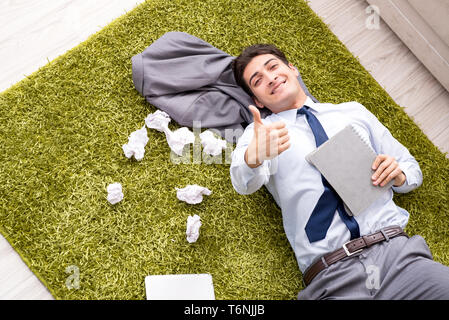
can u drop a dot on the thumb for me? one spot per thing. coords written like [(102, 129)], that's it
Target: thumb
[(256, 115)]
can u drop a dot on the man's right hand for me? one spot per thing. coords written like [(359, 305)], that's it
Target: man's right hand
[(268, 141)]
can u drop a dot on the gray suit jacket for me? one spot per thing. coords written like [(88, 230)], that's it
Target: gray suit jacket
[(192, 80)]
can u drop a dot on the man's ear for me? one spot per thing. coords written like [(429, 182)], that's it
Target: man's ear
[(294, 69)]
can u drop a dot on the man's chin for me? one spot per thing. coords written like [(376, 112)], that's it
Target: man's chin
[(278, 105)]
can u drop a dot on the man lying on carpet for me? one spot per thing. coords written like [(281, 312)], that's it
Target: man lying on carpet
[(380, 261)]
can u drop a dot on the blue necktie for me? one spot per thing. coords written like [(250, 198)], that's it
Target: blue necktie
[(329, 202)]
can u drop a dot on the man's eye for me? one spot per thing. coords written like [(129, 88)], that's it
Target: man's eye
[(257, 81), (273, 66)]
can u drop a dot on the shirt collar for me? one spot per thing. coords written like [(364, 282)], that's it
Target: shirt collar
[(290, 115)]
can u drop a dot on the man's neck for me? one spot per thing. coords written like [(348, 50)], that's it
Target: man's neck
[(299, 103)]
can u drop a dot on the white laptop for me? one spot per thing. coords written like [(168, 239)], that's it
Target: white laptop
[(180, 287)]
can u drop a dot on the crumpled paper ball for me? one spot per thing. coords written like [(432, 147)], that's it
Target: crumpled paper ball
[(115, 193), (193, 228), (212, 145), (179, 138), (192, 193), (158, 120), (136, 144)]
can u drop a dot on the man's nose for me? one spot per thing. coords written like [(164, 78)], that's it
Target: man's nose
[(273, 78)]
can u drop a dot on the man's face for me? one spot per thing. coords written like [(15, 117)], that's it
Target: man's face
[(274, 84)]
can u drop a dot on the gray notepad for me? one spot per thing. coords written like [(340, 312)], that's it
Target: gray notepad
[(345, 161)]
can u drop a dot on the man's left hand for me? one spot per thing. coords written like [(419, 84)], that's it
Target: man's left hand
[(387, 168)]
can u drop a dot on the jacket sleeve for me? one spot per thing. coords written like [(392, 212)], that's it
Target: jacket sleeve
[(193, 81)]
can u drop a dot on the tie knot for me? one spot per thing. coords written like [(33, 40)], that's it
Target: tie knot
[(303, 110)]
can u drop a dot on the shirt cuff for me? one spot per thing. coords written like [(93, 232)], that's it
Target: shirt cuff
[(410, 182), (248, 172)]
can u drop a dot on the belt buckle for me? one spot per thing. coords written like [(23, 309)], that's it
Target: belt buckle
[(348, 254)]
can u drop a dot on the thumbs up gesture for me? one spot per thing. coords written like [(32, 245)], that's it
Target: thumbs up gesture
[(268, 141)]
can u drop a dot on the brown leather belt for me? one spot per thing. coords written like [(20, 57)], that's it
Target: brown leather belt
[(350, 248)]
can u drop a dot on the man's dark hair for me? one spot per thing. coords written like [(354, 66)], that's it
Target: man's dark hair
[(239, 64)]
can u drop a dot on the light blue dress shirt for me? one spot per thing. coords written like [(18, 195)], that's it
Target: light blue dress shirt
[(296, 185)]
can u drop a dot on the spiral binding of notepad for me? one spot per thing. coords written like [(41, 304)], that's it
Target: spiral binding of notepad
[(367, 143)]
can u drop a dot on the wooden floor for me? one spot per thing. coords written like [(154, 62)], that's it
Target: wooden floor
[(36, 30), (392, 64)]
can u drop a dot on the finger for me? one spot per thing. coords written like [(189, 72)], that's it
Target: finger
[(283, 140), (383, 176), (378, 160), (275, 140), (388, 170), (381, 173), (391, 176), (387, 162), (283, 147), (256, 114), (281, 132)]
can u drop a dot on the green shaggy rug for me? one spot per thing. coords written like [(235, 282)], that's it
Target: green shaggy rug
[(62, 132)]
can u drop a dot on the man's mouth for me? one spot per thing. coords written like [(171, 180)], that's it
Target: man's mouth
[(277, 86)]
